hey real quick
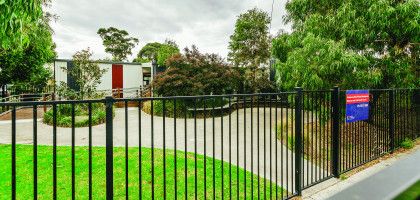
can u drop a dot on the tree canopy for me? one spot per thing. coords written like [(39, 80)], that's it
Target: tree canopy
[(117, 42), (15, 17), (25, 66), (158, 52), (87, 75), (352, 44), (195, 73), (250, 43), (249, 47)]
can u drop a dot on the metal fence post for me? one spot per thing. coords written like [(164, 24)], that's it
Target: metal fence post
[(336, 132), (298, 141), (109, 101), (391, 115)]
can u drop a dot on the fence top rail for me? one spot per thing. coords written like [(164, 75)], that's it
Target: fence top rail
[(203, 96), (30, 103)]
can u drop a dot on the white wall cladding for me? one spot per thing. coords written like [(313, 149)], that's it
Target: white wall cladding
[(60, 72), (133, 76), (106, 80)]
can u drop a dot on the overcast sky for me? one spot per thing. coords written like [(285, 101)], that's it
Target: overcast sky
[(205, 23)]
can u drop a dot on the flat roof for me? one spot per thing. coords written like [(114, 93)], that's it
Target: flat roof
[(103, 62)]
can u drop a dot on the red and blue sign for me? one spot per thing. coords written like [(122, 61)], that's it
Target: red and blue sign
[(357, 105)]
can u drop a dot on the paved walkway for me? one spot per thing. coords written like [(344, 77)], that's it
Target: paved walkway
[(386, 184), (243, 144)]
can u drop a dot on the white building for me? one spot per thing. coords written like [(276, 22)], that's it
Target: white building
[(118, 75)]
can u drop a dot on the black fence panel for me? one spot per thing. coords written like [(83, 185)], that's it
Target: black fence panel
[(244, 146)]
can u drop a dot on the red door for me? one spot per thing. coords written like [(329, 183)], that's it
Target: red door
[(117, 79)]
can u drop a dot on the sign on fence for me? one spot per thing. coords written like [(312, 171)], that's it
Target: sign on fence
[(357, 105)]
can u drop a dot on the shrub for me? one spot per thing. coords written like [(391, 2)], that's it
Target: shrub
[(407, 143), (196, 74), (182, 105), (81, 115)]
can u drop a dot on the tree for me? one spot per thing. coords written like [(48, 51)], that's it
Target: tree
[(86, 73), (148, 52), (15, 17), (249, 45), (353, 44), (158, 52), (196, 74), (25, 66), (165, 52), (117, 42)]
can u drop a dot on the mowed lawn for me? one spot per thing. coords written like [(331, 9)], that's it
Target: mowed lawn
[(24, 170)]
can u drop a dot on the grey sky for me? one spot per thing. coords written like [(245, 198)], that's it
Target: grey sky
[(205, 23)]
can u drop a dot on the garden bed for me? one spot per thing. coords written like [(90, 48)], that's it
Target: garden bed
[(64, 115)]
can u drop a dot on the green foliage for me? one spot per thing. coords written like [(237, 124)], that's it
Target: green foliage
[(165, 52), (164, 160), (81, 115), (249, 47), (87, 75), (158, 52), (148, 52), (117, 42), (407, 143), (196, 74), (25, 66), (185, 106), (16, 16), (353, 44), (250, 43)]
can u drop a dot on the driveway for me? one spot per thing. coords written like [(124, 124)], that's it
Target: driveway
[(243, 146)]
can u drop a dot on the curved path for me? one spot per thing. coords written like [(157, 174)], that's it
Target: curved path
[(245, 147)]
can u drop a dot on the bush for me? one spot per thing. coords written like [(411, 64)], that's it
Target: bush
[(81, 115), (196, 74), (407, 143), (182, 105)]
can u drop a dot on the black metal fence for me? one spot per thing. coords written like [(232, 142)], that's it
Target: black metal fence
[(265, 146)]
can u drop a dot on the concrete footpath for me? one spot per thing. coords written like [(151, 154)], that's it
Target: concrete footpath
[(382, 180), (387, 183)]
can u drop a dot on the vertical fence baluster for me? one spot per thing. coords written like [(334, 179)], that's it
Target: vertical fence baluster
[(252, 146), (195, 148), (54, 151), (164, 148), (298, 141), (265, 155), (270, 146), (140, 152), (153, 148), (185, 150), (205, 150), (237, 147), (175, 150), (214, 149), (275, 142), (73, 156), (391, 120), (126, 148), (222, 150), (335, 132), (244, 107), (14, 152), (258, 144), (35, 151), (109, 101), (230, 147), (90, 149)]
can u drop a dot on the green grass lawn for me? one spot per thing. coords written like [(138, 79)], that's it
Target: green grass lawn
[(412, 193), (24, 170)]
